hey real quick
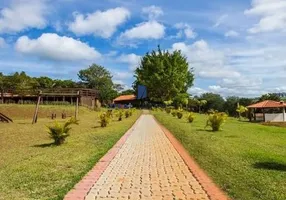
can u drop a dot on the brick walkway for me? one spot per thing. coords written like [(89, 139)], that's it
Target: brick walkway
[(147, 166)]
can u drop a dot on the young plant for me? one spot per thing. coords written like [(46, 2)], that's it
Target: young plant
[(119, 115), (174, 113), (59, 132), (127, 113), (180, 114), (168, 110), (240, 110), (191, 117), (216, 120), (104, 119)]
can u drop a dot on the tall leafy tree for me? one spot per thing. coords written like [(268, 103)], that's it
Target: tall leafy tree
[(270, 96), (165, 74), (214, 101), (97, 77), (231, 105)]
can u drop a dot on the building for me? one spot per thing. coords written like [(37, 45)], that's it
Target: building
[(268, 111), (125, 99)]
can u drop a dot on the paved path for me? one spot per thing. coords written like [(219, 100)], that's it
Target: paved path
[(147, 167)]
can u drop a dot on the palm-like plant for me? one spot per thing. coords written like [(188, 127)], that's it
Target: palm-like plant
[(240, 110), (201, 103), (216, 120), (59, 132)]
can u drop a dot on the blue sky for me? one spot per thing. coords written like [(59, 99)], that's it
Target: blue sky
[(236, 47)]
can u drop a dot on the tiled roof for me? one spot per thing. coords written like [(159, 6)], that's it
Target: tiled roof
[(268, 104), (125, 98)]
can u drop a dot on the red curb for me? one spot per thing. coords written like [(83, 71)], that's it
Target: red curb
[(213, 191), (82, 188)]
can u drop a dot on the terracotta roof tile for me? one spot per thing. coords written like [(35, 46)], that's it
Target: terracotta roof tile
[(268, 104), (125, 98)]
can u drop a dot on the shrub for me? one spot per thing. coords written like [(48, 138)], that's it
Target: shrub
[(216, 120), (127, 113), (168, 110), (191, 117), (104, 119), (174, 113), (119, 115), (59, 132), (180, 113), (130, 112)]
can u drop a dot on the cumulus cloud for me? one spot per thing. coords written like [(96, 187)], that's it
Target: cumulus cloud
[(231, 33), (22, 15), (185, 30), (99, 23), (207, 62), (55, 47), (152, 12), (132, 60), (145, 30), (272, 15)]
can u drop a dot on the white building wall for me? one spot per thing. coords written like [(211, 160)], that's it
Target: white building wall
[(277, 117)]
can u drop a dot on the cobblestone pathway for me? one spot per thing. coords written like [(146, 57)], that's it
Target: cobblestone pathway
[(147, 167)]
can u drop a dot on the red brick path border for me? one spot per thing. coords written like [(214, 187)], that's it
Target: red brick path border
[(208, 185), (82, 188)]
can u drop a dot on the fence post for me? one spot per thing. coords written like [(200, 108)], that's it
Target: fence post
[(35, 118)]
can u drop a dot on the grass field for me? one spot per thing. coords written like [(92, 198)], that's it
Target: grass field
[(246, 160), (32, 168)]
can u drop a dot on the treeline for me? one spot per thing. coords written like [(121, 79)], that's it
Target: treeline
[(94, 77), (228, 105)]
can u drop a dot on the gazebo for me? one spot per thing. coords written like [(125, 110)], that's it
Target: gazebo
[(268, 111)]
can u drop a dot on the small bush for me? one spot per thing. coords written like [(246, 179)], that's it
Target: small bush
[(104, 119), (59, 132), (216, 120), (127, 113), (119, 115), (168, 110), (180, 114), (191, 117), (174, 113), (130, 112)]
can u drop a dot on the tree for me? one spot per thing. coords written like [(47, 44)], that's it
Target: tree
[(181, 100), (201, 103), (214, 101), (230, 105), (165, 75), (127, 92), (240, 110), (97, 77), (246, 101), (273, 97)]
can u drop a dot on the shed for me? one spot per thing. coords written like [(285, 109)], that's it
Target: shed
[(268, 111)]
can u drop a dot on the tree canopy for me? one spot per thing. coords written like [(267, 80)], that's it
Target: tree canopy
[(165, 74), (270, 96), (97, 77), (214, 101)]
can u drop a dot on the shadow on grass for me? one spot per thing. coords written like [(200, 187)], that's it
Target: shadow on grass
[(270, 166), (204, 130), (44, 145)]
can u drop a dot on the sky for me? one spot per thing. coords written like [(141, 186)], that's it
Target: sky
[(236, 47)]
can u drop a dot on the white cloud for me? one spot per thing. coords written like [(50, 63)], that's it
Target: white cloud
[(153, 12), (99, 23), (2, 42), (208, 63), (272, 15), (231, 33), (22, 15), (122, 75), (196, 91), (132, 60), (185, 29), (220, 20), (55, 47), (145, 30)]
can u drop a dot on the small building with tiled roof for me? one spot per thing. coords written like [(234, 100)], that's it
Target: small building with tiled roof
[(268, 111), (125, 99)]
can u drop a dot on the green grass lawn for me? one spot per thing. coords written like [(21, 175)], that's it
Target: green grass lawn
[(31, 168), (246, 160)]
